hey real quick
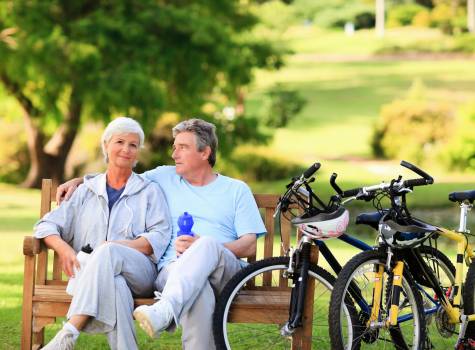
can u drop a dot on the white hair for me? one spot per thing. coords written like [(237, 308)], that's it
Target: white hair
[(121, 125)]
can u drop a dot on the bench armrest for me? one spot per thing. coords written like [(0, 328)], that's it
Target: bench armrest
[(31, 246)]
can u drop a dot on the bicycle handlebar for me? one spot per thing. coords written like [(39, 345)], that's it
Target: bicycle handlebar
[(362, 192), (428, 179), (311, 170)]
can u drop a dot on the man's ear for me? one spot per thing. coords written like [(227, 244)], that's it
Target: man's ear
[(205, 154)]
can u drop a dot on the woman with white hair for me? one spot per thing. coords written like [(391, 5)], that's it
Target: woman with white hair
[(124, 218)]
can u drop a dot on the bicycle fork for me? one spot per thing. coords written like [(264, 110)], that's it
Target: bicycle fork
[(299, 288), (396, 288)]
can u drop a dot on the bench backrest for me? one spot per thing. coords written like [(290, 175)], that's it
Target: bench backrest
[(266, 249)]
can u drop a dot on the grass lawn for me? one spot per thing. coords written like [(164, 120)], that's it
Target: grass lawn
[(19, 210), (345, 93)]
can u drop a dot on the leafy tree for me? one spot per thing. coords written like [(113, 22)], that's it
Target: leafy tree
[(67, 61)]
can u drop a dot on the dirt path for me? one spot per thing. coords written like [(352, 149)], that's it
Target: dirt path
[(414, 56)]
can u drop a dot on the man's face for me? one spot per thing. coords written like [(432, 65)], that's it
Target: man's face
[(188, 159)]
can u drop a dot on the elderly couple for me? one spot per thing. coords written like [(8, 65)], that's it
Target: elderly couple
[(130, 221)]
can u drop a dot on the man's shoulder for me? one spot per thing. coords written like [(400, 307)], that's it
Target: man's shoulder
[(236, 184)]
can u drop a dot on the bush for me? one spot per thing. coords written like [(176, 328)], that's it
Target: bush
[(421, 19), (403, 15), (361, 15), (283, 105), (412, 128), (449, 21), (464, 43), (249, 166), (460, 151)]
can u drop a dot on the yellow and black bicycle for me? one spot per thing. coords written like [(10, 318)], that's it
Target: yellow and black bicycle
[(379, 297)]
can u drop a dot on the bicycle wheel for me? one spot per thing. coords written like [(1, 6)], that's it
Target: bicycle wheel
[(265, 334), (355, 285), (469, 300), (440, 333)]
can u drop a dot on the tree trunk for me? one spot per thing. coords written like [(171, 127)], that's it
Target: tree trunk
[(48, 160), (380, 18), (471, 16)]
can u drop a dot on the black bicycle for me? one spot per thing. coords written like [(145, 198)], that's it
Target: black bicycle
[(294, 272)]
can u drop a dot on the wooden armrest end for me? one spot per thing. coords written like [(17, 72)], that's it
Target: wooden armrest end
[(31, 246)]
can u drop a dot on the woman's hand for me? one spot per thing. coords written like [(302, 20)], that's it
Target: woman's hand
[(68, 259), (67, 255), (183, 242)]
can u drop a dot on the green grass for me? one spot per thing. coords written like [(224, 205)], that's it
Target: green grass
[(20, 208), (344, 100), (345, 94)]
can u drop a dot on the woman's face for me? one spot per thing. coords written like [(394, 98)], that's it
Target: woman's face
[(123, 150)]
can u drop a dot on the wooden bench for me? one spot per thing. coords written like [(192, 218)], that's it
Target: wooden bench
[(45, 297)]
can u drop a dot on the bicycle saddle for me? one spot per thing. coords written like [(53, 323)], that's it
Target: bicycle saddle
[(370, 219), (462, 196)]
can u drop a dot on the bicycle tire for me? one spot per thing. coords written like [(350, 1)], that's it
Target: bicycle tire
[(267, 336), (439, 331), (356, 335), (469, 300)]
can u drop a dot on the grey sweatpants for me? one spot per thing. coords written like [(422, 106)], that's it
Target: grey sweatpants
[(191, 284), (114, 274)]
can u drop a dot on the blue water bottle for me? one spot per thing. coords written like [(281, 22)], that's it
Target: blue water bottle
[(185, 223)]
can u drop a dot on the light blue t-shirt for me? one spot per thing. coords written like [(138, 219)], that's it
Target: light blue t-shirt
[(224, 209)]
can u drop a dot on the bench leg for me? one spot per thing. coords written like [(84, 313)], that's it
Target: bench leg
[(38, 339), (302, 338), (27, 309), (39, 324)]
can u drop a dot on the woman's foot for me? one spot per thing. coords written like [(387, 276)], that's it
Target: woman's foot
[(63, 340)]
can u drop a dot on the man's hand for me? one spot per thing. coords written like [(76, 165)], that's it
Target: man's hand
[(183, 242), (243, 247), (66, 190)]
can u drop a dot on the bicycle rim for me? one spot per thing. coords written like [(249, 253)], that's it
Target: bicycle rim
[(357, 332), (256, 334)]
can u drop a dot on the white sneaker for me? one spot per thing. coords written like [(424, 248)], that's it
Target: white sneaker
[(63, 340), (154, 319)]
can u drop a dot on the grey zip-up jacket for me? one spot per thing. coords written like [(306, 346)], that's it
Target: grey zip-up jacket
[(141, 211)]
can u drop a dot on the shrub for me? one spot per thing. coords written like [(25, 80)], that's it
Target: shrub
[(448, 20), (421, 19), (460, 151), (464, 43), (412, 128), (361, 15), (283, 105), (403, 15), (250, 166)]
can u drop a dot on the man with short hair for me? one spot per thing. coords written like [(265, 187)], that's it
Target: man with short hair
[(196, 268)]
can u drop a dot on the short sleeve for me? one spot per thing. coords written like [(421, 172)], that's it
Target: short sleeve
[(247, 217)]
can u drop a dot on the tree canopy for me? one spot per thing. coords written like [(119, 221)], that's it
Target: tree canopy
[(65, 61)]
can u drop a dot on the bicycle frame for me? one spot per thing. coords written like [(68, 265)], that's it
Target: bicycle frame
[(297, 304), (464, 252)]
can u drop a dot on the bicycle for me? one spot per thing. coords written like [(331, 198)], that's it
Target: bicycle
[(386, 282), (292, 272)]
